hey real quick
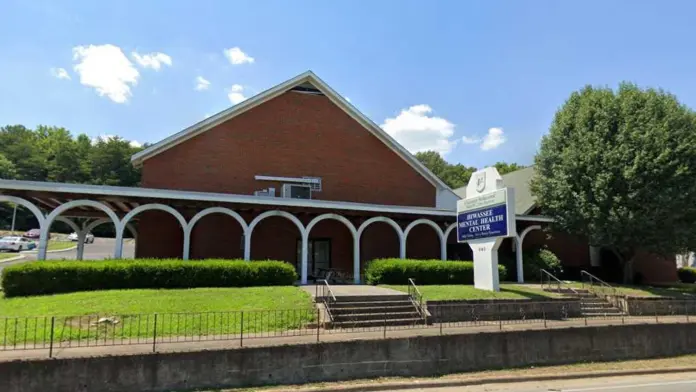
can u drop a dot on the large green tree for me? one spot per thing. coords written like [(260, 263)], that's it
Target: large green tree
[(456, 175), (619, 168)]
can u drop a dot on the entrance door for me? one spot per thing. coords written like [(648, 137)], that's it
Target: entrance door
[(318, 257)]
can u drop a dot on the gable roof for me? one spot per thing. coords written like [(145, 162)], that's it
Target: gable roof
[(519, 179), (304, 80)]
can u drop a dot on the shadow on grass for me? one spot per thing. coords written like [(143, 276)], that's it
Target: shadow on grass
[(525, 293)]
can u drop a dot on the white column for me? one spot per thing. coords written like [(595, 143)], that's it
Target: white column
[(247, 245), (518, 256), (81, 235), (118, 246), (443, 248), (43, 242), (356, 259), (187, 244), (303, 277), (402, 247)]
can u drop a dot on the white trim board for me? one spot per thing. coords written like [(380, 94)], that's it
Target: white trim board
[(104, 190), (306, 77)]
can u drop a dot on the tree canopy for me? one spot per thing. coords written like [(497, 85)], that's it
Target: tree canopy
[(619, 168), (456, 175)]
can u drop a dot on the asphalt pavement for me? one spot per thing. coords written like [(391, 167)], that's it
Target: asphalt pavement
[(665, 382), (101, 248)]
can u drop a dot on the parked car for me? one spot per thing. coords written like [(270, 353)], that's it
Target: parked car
[(16, 243), (89, 238), (34, 234)]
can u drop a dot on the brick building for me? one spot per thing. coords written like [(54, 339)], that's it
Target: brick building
[(295, 173)]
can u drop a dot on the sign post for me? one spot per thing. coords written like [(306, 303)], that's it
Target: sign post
[(484, 218)]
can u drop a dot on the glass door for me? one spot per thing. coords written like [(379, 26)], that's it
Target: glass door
[(318, 257)]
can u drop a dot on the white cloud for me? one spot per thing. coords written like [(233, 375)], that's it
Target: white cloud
[(494, 138), (417, 130), (60, 73), (236, 94), (152, 60), (237, 56), (107, 69), (202, 83), (106, 137)]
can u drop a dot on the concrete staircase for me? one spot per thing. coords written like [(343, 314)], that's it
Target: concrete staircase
[(373, 311), (590, 304)]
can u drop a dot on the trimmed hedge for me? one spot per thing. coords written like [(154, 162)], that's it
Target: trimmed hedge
[(687, 274), (50, 277), (425, 272)]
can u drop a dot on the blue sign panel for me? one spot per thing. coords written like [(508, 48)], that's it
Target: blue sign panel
[(483, 223)]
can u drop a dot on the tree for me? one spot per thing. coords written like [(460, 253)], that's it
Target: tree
[(619, 168), (110, 163), (456, 176), (8, 171), (505, 168)]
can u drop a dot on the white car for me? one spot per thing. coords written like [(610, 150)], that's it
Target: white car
[(89, 238), (16, 244)]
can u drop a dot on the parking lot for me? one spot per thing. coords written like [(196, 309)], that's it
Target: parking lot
[(101, 248)]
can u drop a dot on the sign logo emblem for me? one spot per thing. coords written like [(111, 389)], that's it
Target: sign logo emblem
[(481, 182)]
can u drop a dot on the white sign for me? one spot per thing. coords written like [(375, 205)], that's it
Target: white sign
[(484, 218)]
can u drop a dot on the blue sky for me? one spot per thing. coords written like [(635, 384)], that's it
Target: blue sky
[(478, 80)]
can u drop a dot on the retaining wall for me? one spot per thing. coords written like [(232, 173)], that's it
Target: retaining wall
[(494, 310), (297, 364)]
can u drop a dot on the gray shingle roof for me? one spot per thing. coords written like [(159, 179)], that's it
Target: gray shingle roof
[(519, 179)]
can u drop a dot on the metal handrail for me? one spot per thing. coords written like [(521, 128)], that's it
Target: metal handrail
[(592, 286), (326, 289), (415, 295), (552, 280)]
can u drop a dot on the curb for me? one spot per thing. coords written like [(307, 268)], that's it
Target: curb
[(20, 256), (389, 386), (31, 252)]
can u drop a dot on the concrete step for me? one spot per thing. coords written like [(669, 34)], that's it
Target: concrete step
[(377, 323), (371, 298), (370, 304), (375, 316), (371, 309)]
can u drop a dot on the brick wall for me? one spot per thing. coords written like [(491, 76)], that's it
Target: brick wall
[(291, 135)]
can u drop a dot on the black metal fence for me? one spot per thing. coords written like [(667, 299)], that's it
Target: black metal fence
[(60, 332)]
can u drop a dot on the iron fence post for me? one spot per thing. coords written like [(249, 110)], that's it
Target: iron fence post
[(318, 322), (50, 346), (543, 311), (385, 325), (500, 319), (687, 311), (241, 331), (657, 320), (154, 336), (440, 316)]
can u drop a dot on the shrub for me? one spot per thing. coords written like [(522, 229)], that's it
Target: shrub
[(534, 261), (50, 277), (687, 274), (425, 272)]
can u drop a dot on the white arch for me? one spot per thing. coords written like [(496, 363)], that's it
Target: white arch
[(518, 241), (353, 232), (399, 232), (67, 206), (148, 207), (438, 230), (80, 235), (208, 211), (293, 219), (449, 230), (26, 204)]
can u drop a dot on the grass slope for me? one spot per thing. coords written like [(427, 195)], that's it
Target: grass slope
[(189, 312), (464, 292)]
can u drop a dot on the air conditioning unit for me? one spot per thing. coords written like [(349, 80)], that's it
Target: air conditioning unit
[(297, 191), (270, 192)]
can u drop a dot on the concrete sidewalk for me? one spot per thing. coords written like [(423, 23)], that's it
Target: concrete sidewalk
[(308, 336)]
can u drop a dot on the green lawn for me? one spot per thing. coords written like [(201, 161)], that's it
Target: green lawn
[(679, 290), (60, 245), (186, 312), (451, 292), (7, 255)]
